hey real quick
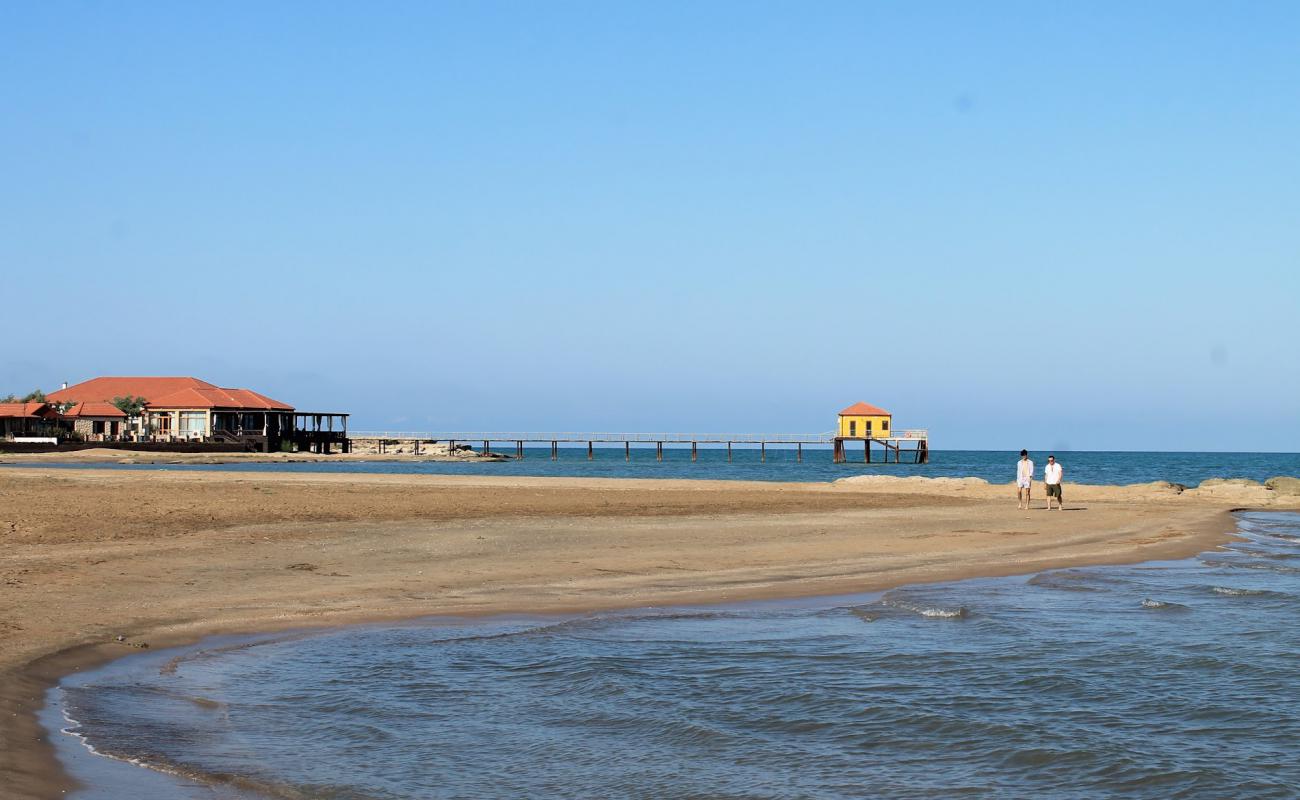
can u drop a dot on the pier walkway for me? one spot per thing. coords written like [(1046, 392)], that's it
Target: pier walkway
[(917, 441)]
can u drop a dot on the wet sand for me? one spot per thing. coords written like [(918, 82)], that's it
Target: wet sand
[(165, 558)]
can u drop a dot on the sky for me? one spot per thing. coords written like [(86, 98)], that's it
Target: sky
[(1044, 225)]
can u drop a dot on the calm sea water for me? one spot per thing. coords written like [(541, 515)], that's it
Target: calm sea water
[(782, 465), (1160, 680)]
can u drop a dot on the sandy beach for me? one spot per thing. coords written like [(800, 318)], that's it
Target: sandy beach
[(163, 558)]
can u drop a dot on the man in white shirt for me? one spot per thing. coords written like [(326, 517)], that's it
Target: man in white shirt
[(1024, 479), (1052, 477)]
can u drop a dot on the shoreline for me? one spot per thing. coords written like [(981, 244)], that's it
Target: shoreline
[(109, 456), (619, 513)]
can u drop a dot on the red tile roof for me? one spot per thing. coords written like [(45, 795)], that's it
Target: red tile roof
[(24, 409), (179, 392), (864, 410), (218, 398), (105, 389), (94, 409)]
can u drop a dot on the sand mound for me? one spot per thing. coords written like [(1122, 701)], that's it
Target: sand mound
[(913, 483), (1237, 490), (1213, 482), (1155, 490), (1284, 485)]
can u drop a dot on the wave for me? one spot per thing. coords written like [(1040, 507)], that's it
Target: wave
[(1230, 591), (901, 603), (872, 614), (960, 612), (1071, 580), (1163, 605)]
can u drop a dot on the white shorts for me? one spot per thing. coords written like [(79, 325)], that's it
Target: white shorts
[(1024, 483)]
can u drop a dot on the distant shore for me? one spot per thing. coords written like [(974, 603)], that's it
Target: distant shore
[(108, 455), (92, 554)]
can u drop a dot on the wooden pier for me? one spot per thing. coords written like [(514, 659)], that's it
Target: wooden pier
[(916, 443)]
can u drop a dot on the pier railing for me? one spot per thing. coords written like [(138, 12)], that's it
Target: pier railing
[(619, 438), (613, 438)]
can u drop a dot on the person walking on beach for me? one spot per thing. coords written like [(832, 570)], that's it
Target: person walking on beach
[(1024, 479), (1052, 477)]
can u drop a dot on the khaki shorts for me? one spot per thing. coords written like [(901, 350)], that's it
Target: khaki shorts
[(1054, 490)]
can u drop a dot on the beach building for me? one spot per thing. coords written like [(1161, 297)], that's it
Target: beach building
[(864, 421), (96, 421), (187, 409), (19, 420)]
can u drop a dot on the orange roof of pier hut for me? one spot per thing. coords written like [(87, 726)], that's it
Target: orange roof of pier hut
[(864, 410)]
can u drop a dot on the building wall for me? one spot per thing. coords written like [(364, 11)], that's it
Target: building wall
[(85, 427), (857, 427)]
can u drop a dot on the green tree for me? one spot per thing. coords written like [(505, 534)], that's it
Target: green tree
[(34, 396), (131, 406)]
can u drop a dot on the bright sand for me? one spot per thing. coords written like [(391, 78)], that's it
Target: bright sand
[(169, 557)]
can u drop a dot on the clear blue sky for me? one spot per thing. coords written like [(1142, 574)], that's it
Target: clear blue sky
[(1017, 224)]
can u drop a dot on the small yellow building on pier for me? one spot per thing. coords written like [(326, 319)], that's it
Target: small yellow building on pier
[(864, 421)]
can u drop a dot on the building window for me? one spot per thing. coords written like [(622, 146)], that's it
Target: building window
[(97, 426), (884, 425), (193, 423), (868, 427), (853, 428)]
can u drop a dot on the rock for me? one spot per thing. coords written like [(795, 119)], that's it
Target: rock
[(1284, 484)]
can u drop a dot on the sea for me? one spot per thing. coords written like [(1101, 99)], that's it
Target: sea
[(749, 463), (1174, 679)]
